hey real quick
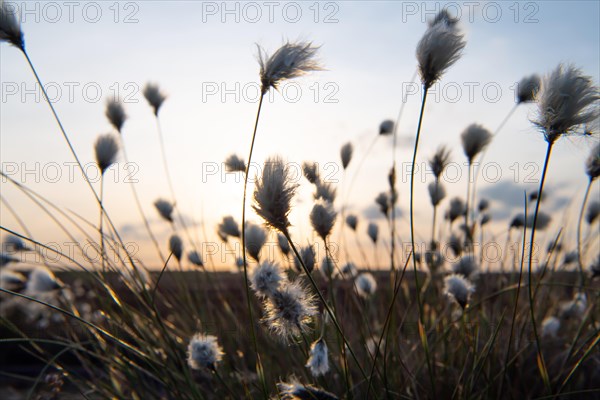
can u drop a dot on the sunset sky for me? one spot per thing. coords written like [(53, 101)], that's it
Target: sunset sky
[(203, 56)]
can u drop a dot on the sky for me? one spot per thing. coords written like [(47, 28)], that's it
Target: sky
[(203, 55)]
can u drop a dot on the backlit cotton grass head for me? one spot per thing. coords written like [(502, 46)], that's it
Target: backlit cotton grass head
[(592, 164), (273, 194), (176, 246), (195, 258), (466, 266), (310, 171), (592, 212), (289, 311), (439, 161), (115, 114), (567, 100), (527, 88), (457, 209), (234, 163), (255, 240), (459, 288), (437, 193), (318, 360), (366, 285), (283, 243), (204, 352), (297, 391), (322, 218), (106, 149), (266, 278), (290, 61), (325, 191), (373, 232), (444, 17), (474, 139), (42, 280), (383, 201), (352, 221), (439, 48), (386, 127), (307, 254), (346, 154), (165, 209), (154, 96), (10, 27), (229, 227)]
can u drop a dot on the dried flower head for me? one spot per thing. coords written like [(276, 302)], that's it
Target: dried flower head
[(289, 311), (176, 246), (255, 240), (346, 154), (324, 191), (154, 96), (528, 88), (593, 211), (204, 352), (42, 280), (311, 171), (273, 194), (318, 361), (459, 288), (322, 218), (106, 149), (10, 27), (592, 164), (115, 114), (474, 139), (457, 209), (439, 48), (466, 266), (195, 258), (297, 391), (550, 326), (284, 245), (373, 231), (439, 161), (352, 221), (386, 127), (366, 285), (266, 278), (229, 227), (567, 100), (307, 253), (437, 192), (290, 61), (234, 163), (165, 209)]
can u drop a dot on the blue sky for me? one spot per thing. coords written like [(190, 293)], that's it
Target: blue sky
[(205, 61)]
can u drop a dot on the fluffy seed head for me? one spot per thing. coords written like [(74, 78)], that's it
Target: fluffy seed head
[(311, 172), (229, 227), (550, 326), (457, 209), (255, 240), (154, 96), (352, 221), (455, 243), (383, 201), (349, 270), (204, 352), (289, 311), (322, 218), (386, 127), (484, 204), (307, 254), (437, 193), (273, 194), (444, 17), (12, 280), (434, 260), (234, 163), (459, 288), (324, 191), (574, 308), (116, 114), (195, 258), (593, 211), (466, 266), (543, 221), (528, 88), (106, 149), (297, 391), (165, 209), (346, 154), (439, 48), (365, 285), (592, 164), (290, 61), (485, 218), (373, 231), (15, 243), (327, 267), (284, 245), (176, 246), (439, 161), (266, 278), (42, 280), (567, 100), (474, 139), (5, 259), (318, 361), (10, 27)]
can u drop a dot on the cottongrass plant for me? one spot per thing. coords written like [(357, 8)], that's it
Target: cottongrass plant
[(204, 352), (318, 362), (294, 390), (567, 100), (437, 193), (458, 288)]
